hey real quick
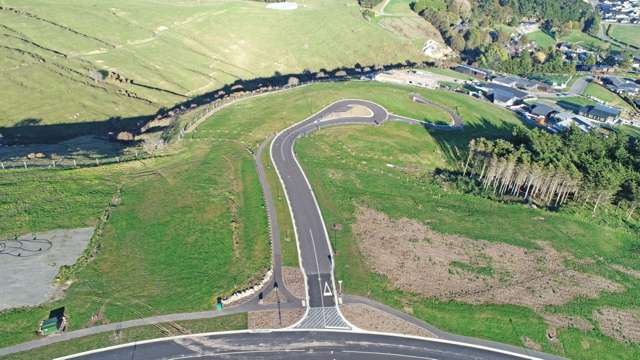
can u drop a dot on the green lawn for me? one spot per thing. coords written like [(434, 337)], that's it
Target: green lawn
[(47, 64), (579, 38), (226, 323), (602, 93), (347, 167), (542, 39), (628, 34)]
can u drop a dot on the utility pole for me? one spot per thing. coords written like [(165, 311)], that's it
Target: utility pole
[(275, 286)]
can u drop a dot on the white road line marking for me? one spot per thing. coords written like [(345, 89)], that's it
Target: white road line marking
[(388, 354)]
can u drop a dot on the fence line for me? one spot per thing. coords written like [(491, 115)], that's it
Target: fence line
[(63, 163)]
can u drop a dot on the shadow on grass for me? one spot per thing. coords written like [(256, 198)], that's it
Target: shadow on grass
[(29, 132), (455, 144)]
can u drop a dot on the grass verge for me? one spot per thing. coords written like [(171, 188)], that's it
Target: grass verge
[(226, 323)]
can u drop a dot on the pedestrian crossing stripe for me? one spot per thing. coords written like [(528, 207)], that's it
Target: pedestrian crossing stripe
[(327, 290)]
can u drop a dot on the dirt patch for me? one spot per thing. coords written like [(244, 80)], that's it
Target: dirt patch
[(471, 271), (271, 320), (564, 321), (369, 318), (527, 342), (627, 271), (622, 325), (294, 281), (351, 111)]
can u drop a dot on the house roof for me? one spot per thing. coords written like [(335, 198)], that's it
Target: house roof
[(601, 111), (542, 110), (472, 69), (504, 91)]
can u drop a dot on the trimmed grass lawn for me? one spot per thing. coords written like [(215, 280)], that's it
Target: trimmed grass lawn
[(542, 39), (212, 42), (629, 34), (602, 93), (347, 166), (225, 323)]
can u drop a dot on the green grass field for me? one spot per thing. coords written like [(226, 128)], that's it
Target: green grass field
[(397, 7), (541, 39), (579, 38), (51, 48), (190, 226), (355, 159), (628, 34), (602, 93), (226, 323)]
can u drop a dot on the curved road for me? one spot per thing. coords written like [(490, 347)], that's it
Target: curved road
[(316, 256), (323, 333), (296, 344)]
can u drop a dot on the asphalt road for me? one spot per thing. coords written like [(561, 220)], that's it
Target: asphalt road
[(288, 344), (311, 233)]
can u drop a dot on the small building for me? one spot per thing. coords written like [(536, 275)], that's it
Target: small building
[(502, 95), (600, 112), (473, 71), (542, 113)]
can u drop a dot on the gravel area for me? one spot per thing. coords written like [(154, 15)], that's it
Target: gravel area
[(368, 318), (30, 263), (270, 319), (294, 281)]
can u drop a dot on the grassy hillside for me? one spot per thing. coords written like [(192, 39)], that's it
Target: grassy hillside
[(189, 226), (79, 60), (347, 168)]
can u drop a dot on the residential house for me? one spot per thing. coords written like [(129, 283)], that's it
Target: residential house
[(600, 112)]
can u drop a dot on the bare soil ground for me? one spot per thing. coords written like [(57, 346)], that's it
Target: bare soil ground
[(271, 320), (627, 271), (294, 281), (564, 321), (368, 318), (471, 271), (622, 325), (351, 111)]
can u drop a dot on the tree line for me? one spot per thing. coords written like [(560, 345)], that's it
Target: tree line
[(552, 170), (468, 25)]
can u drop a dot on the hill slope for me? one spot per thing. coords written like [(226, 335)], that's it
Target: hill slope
[(77, 60)]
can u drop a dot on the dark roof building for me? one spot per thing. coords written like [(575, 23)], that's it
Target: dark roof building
[(600, 112), (542, 110), (473, 71), (503, 95)]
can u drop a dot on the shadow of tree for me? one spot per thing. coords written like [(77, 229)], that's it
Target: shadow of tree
[(455, 144)]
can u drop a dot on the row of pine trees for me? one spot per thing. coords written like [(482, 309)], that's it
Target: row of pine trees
[(551, 170)]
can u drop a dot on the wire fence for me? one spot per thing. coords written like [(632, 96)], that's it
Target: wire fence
[(65, 163)]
